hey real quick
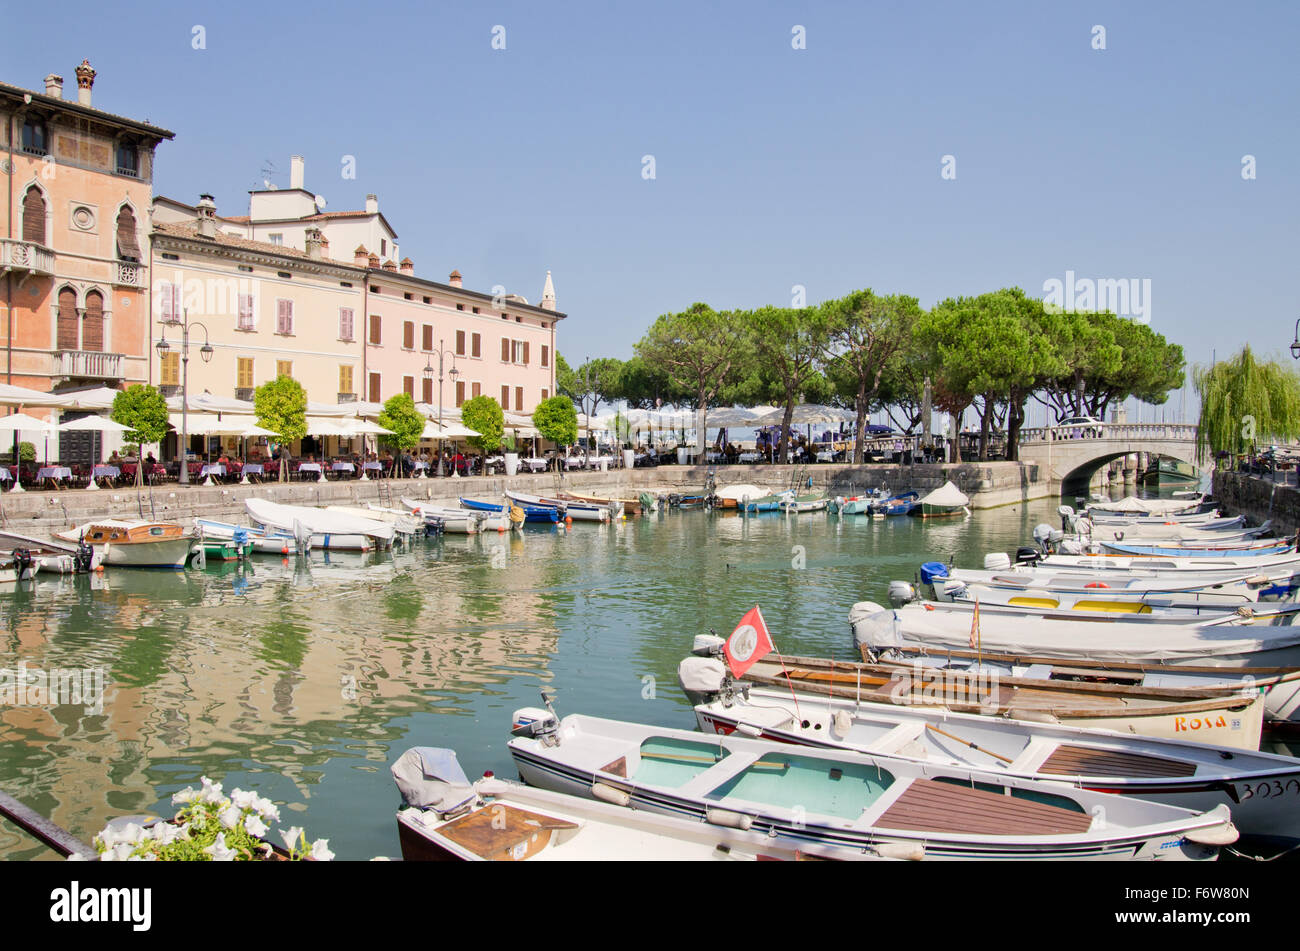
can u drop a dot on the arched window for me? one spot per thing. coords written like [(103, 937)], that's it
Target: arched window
[(35, 141), (34, 216), (128, 159), (67, 322), (92, 324), (128, 247)]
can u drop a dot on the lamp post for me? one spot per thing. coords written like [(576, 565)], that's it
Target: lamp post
[(206, 351), (428, 375), (1295, 344)]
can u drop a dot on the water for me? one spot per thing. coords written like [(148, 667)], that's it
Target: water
[(305, 682)]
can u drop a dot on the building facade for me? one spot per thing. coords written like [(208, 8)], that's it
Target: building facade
[(78, 190)]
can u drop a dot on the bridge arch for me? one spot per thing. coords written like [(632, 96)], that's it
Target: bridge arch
[(1072, 455)]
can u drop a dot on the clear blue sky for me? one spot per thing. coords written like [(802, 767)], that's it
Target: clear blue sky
[(774, 166)]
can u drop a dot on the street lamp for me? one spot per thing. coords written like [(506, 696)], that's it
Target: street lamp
[(1295, 344), (206, 351), (428, 375)]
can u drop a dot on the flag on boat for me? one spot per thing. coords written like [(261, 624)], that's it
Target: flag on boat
[(975, 625), (748, 642)]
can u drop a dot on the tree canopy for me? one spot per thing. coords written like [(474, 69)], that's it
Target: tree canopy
[(1243, 400), (557, 420), (483, 414), (144, 410), (281, 406), (403, 419)]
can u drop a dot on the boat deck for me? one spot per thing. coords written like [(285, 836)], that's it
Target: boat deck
[(1068, 760), (503, 833), (929, 805)]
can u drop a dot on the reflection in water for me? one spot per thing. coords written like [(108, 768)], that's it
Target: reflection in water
[(305, 679)]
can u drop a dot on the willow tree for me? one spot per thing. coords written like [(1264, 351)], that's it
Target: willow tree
[(1243, 399)]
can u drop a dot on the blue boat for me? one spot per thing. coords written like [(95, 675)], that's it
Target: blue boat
[(1119, 549), (532, 513), (901, 504)]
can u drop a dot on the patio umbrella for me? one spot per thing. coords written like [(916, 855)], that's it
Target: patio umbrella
[(93, 424), (17, 422)]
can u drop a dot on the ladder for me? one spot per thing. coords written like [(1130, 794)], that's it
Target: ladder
[(385, 489)]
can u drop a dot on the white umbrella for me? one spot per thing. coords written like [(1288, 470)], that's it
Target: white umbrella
[(93, 424), (22, 396), (363, 427), (19, 421), (101, 397), (320, 426)]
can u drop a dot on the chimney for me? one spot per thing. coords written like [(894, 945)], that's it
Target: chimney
[(324, 246), (85, 82), (54, 86), (389, 265), (314, 241), (296, 169), (360, 257), (407, 266), (548, 294), (372, 205), (207, 209), (373, 262), (454, 280)]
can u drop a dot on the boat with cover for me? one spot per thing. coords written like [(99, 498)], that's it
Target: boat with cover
[(1179, 772), (856, 504), (532, 513), (262, 540), (1233, 550), (1239, 639), (136, 544), (55, 556), (1162, 533), (945, 500), (851, 801), (578, 511), (730, 496), (445, 817), (329, 530), (403, 522), (1152, 508), (1190, 566)]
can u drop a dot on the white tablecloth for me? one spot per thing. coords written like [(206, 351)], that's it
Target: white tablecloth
[(534, 463), (214, 469), (343, 467), (373, 466), (54, 472), (309, 467), (107, 472), (750, 457), (253, 468)]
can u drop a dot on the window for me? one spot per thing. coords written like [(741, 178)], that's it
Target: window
[(477, 390), (505, 350), (92, 323), (283, 368), (460, 306), (505, 397), (408, 386), (171, 369), (383, 247), (460, 343), (518, 319), (169, 302), (505, 316), (345, 380), (373, 289), (245, 315), (476, 349), (460, 392), (35, 141), (476, 310), (34, 216), (341, 283), (284, 316), (428, 336), (177, 257), (374, 388), (128, 247), (408, 296), (244, 375), (545, 393), (428, 300), (345, 328), (128, 159), (428, 390), (546, 355), (243, 267), (519, 398), (519, 352), (408, 335), (284, 274), (275, 238), (376, 330)]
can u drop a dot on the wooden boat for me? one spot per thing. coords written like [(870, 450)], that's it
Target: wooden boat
[(54, 556), (446, 818), (1169, 472), (848, 800), (329, 530), (1179, 772), (1042, 693), (945, 500), (136, 544), (578, 511), (532, 513), (1240, 639)]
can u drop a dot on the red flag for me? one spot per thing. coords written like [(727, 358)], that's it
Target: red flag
[(748, 642), (975, 625)]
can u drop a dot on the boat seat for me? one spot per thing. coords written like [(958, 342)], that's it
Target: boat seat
[(503, 833), (899, 737), (771, 717)]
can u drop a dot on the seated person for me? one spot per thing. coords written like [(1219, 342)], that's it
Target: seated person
[(113, 459)]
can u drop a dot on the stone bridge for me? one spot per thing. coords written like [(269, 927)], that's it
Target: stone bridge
[(1071, 455)]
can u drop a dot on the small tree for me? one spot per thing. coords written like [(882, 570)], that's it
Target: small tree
[(143, 410), (401, 416), (483, 415), (557, 420), (281, 406)]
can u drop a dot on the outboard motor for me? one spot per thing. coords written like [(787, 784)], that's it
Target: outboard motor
[(432, 778), (952, 590), (1070, 547), (22, 564), (1067, 515), (901, 593), (83, 560), (707, 645), (533, 722), (702, 678), (1027, 555), (997, 561), (875, 629), (1042, 532), (1055, 537)]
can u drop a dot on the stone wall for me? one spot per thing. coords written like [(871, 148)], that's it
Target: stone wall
[(1259, 499)]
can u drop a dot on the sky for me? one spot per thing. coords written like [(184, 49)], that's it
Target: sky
[(742, 154)]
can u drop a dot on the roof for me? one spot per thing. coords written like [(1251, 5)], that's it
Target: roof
[(190, 231), (76, 108)]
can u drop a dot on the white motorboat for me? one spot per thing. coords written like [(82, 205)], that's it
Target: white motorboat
[(264, 540), (578, 511), (136, 544), (55, 556), (1176, 772), (1190, 565), (329, 530), (1030, 583), (851, 801), (404, 523)]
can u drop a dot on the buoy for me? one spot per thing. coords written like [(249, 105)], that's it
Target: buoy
[(1096, 584), (568, 520), (501, 529), (99, 567), (284, 550)]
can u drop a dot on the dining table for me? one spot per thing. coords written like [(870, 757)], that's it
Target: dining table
[(53, 475)]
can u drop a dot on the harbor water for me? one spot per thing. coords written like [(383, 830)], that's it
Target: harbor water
[(305, 679)]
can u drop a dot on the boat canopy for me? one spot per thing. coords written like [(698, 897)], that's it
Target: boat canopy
[(948, 495)]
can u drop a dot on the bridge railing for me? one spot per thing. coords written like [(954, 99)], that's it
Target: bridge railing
[(1148, 432)]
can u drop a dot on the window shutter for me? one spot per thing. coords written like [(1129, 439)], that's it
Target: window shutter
[(428, 336), (544, 393), (460, 392), (408, 335), (525, 353), (246, 313), (427, 395), (375, 330), (288, 316), (519, 398), (345, 327), (92, 325), (171, 369), (505, 397), (546, 355), (408, 386), (374, 387), (284, 368), (128, 248), (478, 389), (345, 379), (505, 350), (460, 343), (67, 322), (477, 346), (34, 216)]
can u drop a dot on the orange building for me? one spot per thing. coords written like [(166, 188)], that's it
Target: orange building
[(78, 190)]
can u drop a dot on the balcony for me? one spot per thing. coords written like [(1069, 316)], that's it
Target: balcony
[(26, 258), (87, 364), (130, 274)]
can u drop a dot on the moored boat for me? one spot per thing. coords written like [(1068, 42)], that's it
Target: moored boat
[(578, 511), (136, 544), (260, 540), (55, 556), (945, 500), (532, 513), (329, 530)]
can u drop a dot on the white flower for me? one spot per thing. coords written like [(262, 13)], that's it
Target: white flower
[(219, 851), (211, 791), (268, 810), (290, 837), (164, 833), (185, 796), (77, 857), (255, 826), (134, 833), (320, 850), (244, 800), (118, 853), (229, 817)]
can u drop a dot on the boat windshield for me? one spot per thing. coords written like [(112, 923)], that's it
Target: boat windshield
[(816, 786)]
